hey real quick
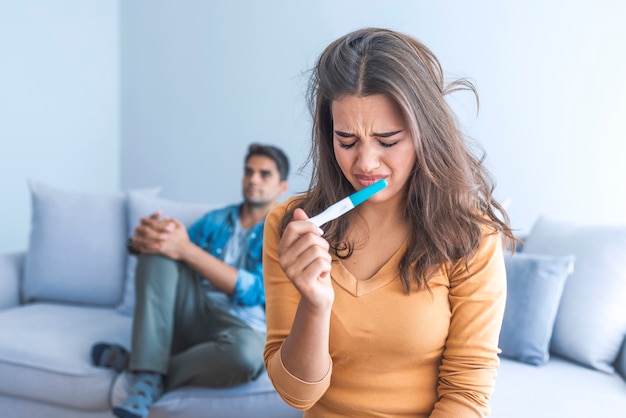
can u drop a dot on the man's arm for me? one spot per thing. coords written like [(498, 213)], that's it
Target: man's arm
[(169, 238), (220, 274)]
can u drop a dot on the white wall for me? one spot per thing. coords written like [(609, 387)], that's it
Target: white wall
[(202, 79), (170, 93), (59, 103)]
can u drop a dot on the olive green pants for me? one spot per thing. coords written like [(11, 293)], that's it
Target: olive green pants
[(180, 333)]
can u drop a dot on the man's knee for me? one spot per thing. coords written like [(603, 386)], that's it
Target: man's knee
[(153, 268), (150, 261)]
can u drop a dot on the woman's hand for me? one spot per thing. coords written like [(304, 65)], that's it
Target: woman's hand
[(304, 257)]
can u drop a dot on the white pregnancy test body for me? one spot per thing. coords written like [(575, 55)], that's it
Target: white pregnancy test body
[(348, 203), (332, 212)]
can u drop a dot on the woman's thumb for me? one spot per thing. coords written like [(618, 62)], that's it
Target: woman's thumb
[(299, 215)]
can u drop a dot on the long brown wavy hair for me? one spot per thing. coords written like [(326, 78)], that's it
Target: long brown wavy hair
[(449, 195)]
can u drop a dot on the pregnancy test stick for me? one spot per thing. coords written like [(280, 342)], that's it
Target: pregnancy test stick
[(346, 204)]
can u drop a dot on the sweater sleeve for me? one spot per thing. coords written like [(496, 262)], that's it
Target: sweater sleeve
[(282, 300), (470, 358)]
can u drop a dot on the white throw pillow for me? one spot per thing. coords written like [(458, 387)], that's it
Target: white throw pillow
[(76, 250), (590, 325)]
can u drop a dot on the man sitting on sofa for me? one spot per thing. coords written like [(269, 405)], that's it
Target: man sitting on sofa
[(199, 313)]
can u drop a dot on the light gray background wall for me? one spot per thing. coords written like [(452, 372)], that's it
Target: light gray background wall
[(59, 103), (103, 95)]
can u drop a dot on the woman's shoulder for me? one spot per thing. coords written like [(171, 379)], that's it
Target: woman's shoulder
[(491, 243), (281, 209), (286, 205), (292, 200)]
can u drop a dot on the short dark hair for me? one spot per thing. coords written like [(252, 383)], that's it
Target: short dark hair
[(270, 151)]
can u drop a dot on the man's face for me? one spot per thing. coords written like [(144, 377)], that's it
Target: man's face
[(262, 185)]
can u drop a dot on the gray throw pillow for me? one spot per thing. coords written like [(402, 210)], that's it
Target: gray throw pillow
[(591, 323), (140, 205), (534, 288), (76, 249)]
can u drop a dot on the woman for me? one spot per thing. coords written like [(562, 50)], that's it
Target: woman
[(395, 308)]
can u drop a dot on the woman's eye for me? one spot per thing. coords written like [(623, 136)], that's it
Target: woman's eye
[(346, 146), (388, 144)]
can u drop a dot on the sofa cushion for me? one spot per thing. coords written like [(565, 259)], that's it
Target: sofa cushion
[(76, 251), (534, 288), (254, 399), (14, 407), (45, 353), (558, 389), (591, 322), (140, 205)]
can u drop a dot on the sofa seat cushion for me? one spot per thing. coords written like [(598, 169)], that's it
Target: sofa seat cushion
[(14, 407), (559, 388), (255, 399), (45, 349)]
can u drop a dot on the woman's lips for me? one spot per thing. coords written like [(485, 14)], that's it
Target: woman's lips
[(367, 180)]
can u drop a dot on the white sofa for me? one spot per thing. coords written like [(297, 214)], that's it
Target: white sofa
[(563, 336), (72, 289)]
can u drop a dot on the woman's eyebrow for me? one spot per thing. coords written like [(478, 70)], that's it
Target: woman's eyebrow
[(380, 135), (343, 134), (386, 134)]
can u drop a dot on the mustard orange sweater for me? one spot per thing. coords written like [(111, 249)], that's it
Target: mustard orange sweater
[(392, 354)]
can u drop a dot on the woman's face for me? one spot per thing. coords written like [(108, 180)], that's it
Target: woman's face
[(371, 142)]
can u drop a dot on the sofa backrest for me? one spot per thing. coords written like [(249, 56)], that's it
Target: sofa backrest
[(10, 278), (77, 252)]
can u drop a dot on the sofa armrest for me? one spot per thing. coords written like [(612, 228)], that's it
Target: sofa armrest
[(620, 364), (10, 278)]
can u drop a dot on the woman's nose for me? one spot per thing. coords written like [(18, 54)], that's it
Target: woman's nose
[(368, 158)]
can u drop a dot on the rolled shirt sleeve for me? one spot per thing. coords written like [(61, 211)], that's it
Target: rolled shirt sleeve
[(249, 289)]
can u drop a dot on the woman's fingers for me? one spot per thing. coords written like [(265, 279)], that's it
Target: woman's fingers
[(297, 237), (305, 258), (309, 255)]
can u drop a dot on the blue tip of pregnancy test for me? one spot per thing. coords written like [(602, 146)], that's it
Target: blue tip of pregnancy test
[(367, 192)]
